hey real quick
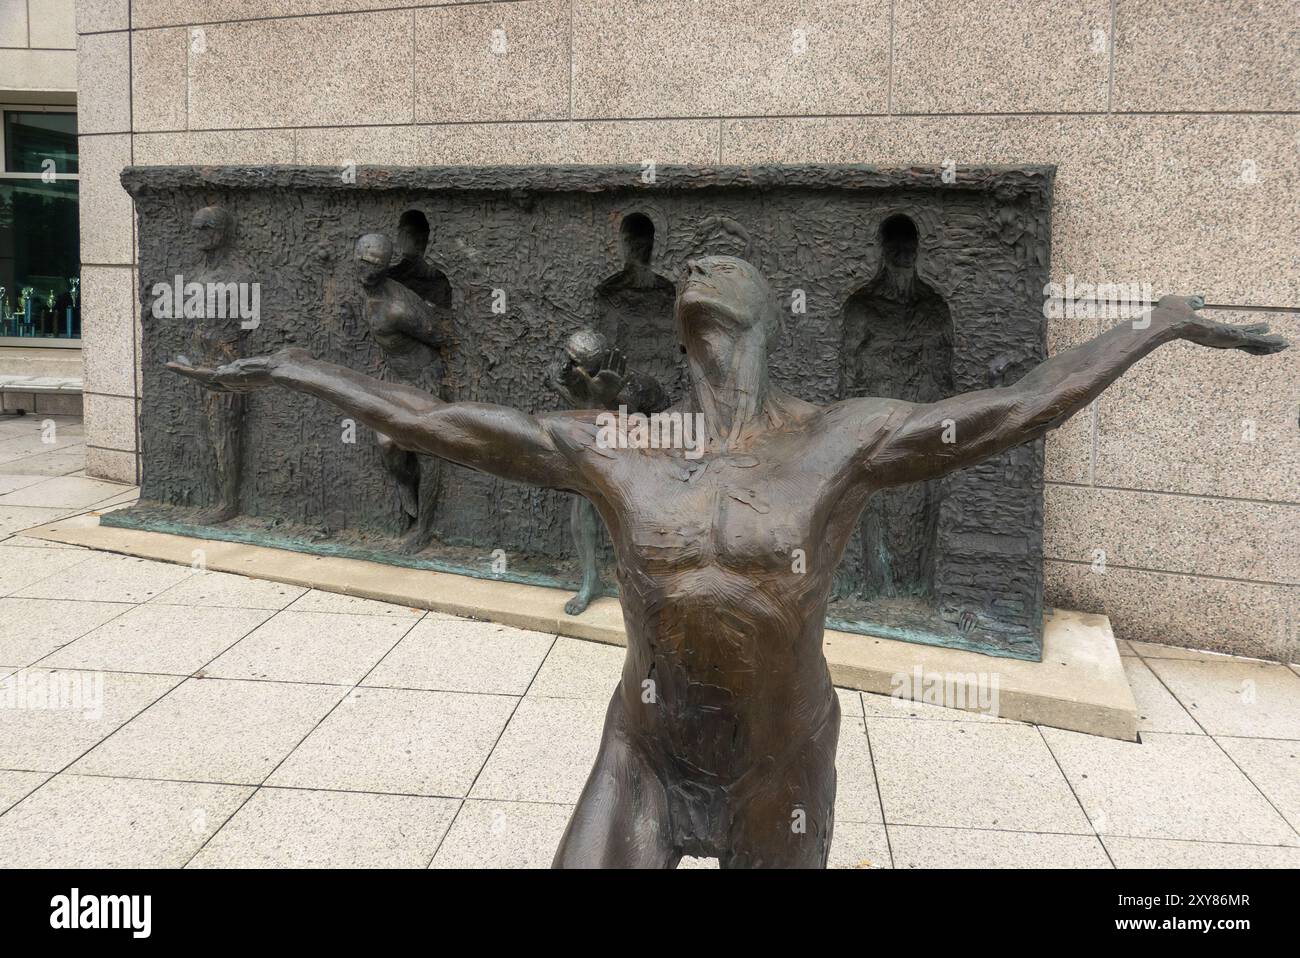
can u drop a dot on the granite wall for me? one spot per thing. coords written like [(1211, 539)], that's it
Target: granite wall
[(1175, 128)]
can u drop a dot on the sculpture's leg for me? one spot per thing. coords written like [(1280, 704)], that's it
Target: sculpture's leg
[(585, 526), (786, 817), (622, 816), (432, 473), (223, 415), (404, 467)]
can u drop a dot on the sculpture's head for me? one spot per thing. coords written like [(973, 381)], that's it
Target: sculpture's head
[(727, 318), (212, 225), (722, 302), (586, 348), (373, 254)]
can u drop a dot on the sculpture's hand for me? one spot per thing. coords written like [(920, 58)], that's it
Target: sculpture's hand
[(604, 387), (243, 375), (1180, 313)]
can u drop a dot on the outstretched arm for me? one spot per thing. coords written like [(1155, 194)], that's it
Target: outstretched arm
[(928, 440), (493, 439)]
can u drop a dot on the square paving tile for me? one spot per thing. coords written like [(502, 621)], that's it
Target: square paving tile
[(859, 845), (1166, 786), (1274, 766), (64, 492), (401, 741), (293, 828), (461, 655), (85, 822), (15, 786), (1158, 853), (491, 834), (22, 565), (580, 670), (856, 798), (971, 775), (920, 847), (109, 578), (312, 647), (1158, 710), (314, 600), (214, 730), (224, 590), (50, 717), (546, 752), (1241, 698), (149, 638), (31, 629)]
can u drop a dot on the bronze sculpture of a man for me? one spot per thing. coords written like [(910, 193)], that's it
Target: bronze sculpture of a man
[(590, 375), (720, 737)]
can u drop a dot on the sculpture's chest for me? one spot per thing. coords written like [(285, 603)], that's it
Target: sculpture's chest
[(734, 512)]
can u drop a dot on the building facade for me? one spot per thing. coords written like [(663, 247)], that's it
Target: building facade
[(40, 314), (1175, 126)]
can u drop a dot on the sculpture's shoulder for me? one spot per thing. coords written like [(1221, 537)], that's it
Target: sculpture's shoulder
[(573, 431), (864, 420)]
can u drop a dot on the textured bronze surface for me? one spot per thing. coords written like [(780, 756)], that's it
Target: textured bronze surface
[(875, 271), (720, 738)]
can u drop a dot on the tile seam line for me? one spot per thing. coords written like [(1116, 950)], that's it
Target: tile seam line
[(875, 775), (701, 118), (1070, 785), (319, 14), (1185, 575), (298, 788), (1247, 776), (1174, 492), (1101, 836), (555, 638)]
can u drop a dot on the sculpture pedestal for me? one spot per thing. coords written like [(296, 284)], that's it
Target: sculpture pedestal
[(1079, 685)]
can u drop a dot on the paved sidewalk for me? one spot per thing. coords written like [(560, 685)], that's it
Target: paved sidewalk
[(155, 715)]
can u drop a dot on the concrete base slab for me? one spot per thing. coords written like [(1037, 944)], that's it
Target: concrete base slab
[(1079, 685)]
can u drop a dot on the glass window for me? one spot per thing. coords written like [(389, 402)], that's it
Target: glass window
[(40, 263), (33, 138), (39, 266)]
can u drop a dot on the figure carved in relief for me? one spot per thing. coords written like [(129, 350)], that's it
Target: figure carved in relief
[(590, 375), (216, 340), (407, 330)]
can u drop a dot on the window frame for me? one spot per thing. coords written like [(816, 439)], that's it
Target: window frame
[(37, 342)]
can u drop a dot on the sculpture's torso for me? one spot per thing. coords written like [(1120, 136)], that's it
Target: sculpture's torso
[(725, 567), (391, 309)]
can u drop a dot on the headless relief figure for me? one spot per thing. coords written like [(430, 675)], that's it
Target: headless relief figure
[(405, 327), (898, 345), (590, 375), (720, 737), (217, 339), (634, 309)]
